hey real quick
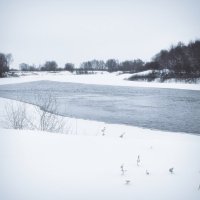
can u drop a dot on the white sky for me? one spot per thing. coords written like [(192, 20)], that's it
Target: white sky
[(35, 31)]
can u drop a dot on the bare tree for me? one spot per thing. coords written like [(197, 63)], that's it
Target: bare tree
[(49, 66), (69, 67), (47, 113), (112, 65), (16, 115), (43, 117), (5, 60)]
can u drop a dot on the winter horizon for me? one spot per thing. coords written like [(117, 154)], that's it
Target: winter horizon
[(77, 31)]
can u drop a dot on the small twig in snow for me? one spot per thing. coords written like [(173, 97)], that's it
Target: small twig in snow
[(103, 131), (127, 182), (122, 135), (147, 173), (171, 170), (138, 160), (122, 169)]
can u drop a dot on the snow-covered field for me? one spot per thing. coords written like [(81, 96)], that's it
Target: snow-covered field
[(101, 78), (38, 165), (94, 160)]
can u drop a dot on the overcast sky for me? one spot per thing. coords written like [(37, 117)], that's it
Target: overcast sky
[(35, 31)]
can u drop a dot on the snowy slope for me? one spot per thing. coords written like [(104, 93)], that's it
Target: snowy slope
[(84, 164)]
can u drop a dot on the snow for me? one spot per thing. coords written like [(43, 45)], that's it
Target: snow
[(85, 162), (143, 73), (42, 166), (101, 78)]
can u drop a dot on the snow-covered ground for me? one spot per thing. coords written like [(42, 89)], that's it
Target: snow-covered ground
[(44, 166), (101, 78), (87, 162)]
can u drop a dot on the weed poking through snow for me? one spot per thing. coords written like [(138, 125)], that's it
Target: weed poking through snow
[(171, 170), (127, 182), (122, 169), (147, 173), (138, 160), (122, 135), (103, 131)]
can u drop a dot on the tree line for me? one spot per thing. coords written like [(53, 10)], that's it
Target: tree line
[(110, 65), (180, 60)]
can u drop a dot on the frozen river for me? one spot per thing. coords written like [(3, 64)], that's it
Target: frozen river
[(163, 109)]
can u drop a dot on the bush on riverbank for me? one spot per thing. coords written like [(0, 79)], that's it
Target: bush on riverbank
[(166, 75)]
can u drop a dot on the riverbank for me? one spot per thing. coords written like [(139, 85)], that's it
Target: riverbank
[(152, 108), (101, 78), (95, 160)]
